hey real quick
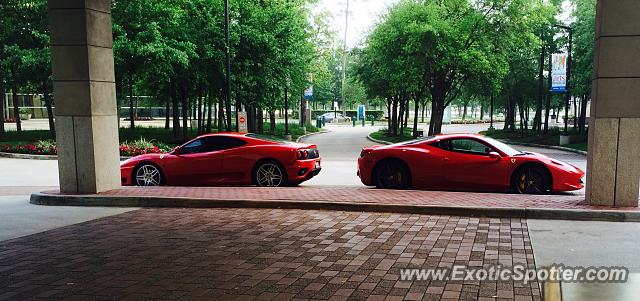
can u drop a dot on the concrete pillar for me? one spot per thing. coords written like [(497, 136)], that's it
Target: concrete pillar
[(613, 165), (84, 87)]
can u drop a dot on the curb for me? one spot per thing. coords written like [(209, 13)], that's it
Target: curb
[(322, 131), (377, 141), (566, 149), (177, 202), (36, 157), (28, 156)]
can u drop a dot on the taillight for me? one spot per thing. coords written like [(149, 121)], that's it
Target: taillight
[(303, 154)]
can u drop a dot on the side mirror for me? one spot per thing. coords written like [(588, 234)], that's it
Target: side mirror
[(176, 151), (495, 155)]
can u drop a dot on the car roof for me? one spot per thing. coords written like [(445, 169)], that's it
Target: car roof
[(458, 135)]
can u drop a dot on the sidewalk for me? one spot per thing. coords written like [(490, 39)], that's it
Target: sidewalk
[(352, 199), (255, 254)]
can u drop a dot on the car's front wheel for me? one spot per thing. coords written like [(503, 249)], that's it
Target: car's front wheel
[(148, 174), (270, 174), (392, 175), (532, 180)]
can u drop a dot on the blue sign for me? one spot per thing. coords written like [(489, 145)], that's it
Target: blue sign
[(362, 112), (308, 93)]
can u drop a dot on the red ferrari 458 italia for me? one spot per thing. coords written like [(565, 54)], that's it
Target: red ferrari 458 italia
[(226, 159), (464, 162)]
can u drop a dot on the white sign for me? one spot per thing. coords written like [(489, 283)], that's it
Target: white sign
[(559, 72), (335, 105), (242, 122)]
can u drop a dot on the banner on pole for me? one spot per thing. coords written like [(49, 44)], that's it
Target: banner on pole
[(308, 92), (559, 72)]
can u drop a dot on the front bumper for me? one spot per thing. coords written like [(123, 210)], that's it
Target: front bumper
[(126, 175)]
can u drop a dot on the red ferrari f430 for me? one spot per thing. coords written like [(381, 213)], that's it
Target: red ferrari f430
[(226, 159), (465, 162)]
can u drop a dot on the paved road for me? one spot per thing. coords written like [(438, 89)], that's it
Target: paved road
[(588, 244)]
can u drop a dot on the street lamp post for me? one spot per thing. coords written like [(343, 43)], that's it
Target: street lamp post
[(567, 97), (287, 136), (228, 67)]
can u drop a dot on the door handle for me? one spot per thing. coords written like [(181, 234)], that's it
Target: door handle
[(445, 159)]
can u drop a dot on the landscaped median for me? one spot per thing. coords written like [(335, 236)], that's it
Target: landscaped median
[(47, 149), (569, 207)]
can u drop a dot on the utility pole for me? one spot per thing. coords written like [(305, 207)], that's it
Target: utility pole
[(344, 59), (228, 67)]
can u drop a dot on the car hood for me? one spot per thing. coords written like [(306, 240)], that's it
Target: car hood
[(135, 159), (553, 162)]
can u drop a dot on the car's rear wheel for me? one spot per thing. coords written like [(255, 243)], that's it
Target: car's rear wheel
[(532, 180), (148, 174), (392, 174), (270, 174)]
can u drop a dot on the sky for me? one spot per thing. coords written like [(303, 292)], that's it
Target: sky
[(363, 15)]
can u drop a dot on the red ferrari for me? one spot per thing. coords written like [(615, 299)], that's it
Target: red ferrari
[(226, 159), (465, 162)]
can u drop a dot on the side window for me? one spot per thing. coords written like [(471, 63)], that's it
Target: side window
[(443, 144), (193, 147), (213, 144), (470, 146), (233, 142)]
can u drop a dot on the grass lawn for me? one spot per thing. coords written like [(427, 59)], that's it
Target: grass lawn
[(382, 135), (578, 142)]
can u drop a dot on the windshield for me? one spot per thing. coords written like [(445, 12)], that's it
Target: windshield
[(415, 141), (268, 138), (510, 151)]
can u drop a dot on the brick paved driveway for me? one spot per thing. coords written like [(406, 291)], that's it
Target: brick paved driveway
[(248, 254)]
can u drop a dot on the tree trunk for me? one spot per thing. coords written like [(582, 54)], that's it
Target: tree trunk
[(166, 114), (415, 117), (47, 103), (407, 109), (16, 109), (260, 121), (184, 99), (131, 112), (221, 109), (272, 122), (199, 111), (583, 114), (209, 113), (464, 110), (481, 111), (437, 112), (175, 111), (2, 97), (389, 105), (394, 118)]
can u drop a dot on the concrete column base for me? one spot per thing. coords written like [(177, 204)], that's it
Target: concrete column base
[(86, 112), (614, 162)]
